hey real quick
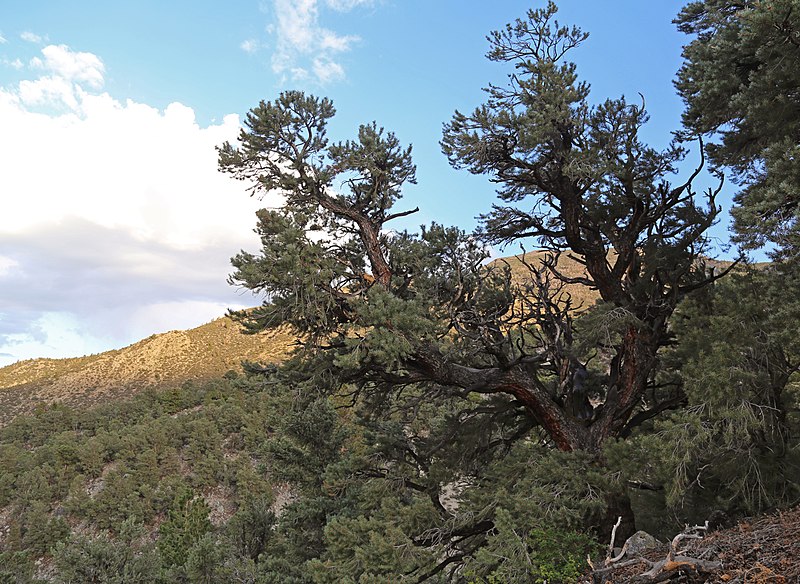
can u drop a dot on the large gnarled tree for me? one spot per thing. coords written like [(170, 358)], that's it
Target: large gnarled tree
[(578, 179), (392, 317)]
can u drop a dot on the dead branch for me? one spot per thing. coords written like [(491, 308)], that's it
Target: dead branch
[(661, 570), (610, 558), (667, 566), (687, 533)]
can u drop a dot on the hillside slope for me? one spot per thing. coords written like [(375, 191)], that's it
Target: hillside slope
[(205, 352), (167, 359), (172, 358)]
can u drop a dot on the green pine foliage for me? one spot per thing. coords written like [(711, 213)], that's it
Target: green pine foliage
[(377, 498), (252, 527), (446, 419), (124, 464), (739, 81), (542, 555), (126, 559), (187, 522), (735, 447), (452, 367)]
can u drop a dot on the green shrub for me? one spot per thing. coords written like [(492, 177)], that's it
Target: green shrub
[(186, 524)]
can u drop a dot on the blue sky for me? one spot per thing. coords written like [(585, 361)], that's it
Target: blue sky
[(116, 224)]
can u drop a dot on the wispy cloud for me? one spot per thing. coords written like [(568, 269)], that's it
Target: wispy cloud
[(347, 5), (3, 39), (31, 37), (327, 70), (250, 46), (15, 64), (303, 46)]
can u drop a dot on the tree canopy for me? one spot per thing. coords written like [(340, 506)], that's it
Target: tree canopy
[(386, 310), (418, 324), (739, 80)]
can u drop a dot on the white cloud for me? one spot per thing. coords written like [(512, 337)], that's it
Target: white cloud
[(249, 46), (30, 37), (347, 5), (180, 315), (303, 44), (15, 64), (46, 336), (62, 87), (335, 43), (327, 70), (3, 39), (6, 264), (297, 24), (115, 219), (77, 67), (53, 91)]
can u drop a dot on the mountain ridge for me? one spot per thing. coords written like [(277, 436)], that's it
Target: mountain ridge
[(160, 360)]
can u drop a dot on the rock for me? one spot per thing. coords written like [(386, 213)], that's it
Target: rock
[(639, 542)]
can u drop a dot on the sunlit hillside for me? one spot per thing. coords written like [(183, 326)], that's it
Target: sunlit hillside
[(161, 360)]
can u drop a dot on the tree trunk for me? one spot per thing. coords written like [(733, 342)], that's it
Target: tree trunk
[(617, 505), (630, 371)]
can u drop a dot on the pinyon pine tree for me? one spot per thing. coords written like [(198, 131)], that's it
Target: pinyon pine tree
[(738, 354), (740, 82), (409, 327)]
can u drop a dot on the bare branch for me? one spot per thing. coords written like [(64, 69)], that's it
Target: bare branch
[(661, 570), (401, 214)]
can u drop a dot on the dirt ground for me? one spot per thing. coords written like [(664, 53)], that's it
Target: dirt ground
[(763, 550)]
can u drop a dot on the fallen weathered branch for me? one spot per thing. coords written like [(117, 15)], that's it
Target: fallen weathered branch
[(618, 557), (659, 571)]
